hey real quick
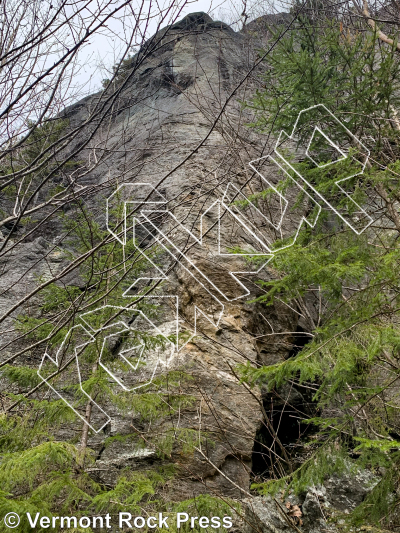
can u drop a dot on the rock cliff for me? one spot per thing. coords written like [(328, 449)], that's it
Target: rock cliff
[(166, 111), (178, 126)]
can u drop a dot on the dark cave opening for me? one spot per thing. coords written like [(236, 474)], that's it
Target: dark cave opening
[(285, 410), (300, 339), (284, 428)]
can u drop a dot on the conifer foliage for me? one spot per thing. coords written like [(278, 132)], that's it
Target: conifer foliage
[(47, 465), (349, 282)]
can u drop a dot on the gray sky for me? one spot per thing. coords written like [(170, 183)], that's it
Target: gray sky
[(103, 50)]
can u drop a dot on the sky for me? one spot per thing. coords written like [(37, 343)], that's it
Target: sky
[(104, 50)]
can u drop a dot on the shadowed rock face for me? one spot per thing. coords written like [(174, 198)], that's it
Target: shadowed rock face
[(200, 22), (174, 127)]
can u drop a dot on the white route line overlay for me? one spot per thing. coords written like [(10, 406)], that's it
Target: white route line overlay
[(153, 207)]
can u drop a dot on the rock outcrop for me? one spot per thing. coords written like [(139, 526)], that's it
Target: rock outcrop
[(319, 510), (167, 110), (179, 126)]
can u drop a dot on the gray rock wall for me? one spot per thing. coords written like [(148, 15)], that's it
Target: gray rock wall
[(155, 135)]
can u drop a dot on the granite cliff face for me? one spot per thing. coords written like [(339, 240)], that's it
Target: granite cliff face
[(174, 128), (168, 109)]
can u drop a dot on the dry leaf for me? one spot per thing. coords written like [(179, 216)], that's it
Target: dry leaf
[(294, 512)]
